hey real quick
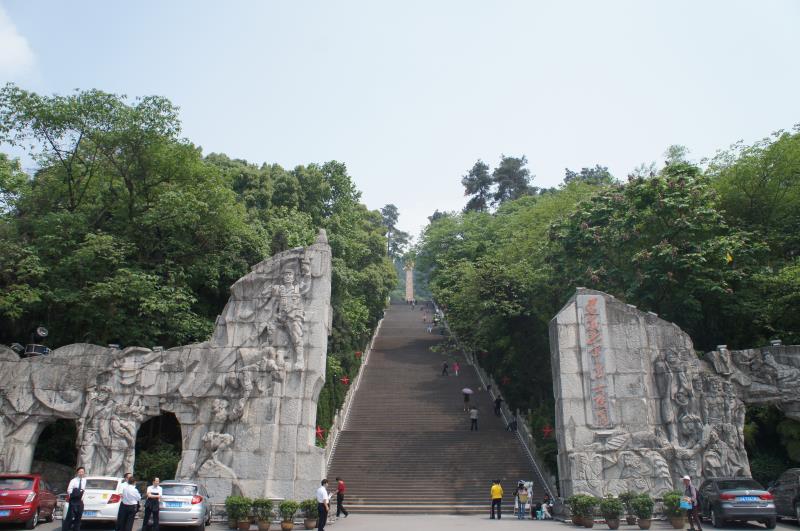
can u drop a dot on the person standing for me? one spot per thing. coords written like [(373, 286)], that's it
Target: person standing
[(323, 504), (498, 403), (690, 491), (497, 498), (456, 367), (124, 482), (72, 520), (473, 418), (521, 496), (151, 503), (466, 401), (340, 488), (444, 368), (129, 505)]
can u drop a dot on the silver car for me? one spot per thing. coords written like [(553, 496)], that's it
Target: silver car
[(184, 503)]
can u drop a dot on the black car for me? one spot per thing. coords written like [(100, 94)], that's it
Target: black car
[(787, 494), (741, 499)]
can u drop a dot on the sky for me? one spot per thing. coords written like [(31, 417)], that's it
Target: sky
[(409, 94)]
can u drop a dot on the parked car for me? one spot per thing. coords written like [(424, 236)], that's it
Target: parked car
[(26, 498), (184, 503), (741, 499), (101, 499), (787, 494)]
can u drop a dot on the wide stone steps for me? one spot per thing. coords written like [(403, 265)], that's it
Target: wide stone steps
[(406, 446)]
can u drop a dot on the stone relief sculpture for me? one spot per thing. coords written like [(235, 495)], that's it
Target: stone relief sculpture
[(670, 413), (245, 399)]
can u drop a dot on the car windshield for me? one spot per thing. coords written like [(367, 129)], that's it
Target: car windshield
[(102, 484), (16, 483), (739, 484), (178, 490)]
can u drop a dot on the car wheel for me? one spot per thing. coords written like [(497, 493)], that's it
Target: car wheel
[(201, 526), (208, 518), (797, 512), (716, 521), (51, 515), (769, 523), (30, 524)]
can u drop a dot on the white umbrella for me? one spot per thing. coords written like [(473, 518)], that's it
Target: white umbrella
[(467, 391)]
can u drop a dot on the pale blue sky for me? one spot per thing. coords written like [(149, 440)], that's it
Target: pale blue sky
[(410, 93)]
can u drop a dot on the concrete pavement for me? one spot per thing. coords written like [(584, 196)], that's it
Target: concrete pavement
[(371, 522)]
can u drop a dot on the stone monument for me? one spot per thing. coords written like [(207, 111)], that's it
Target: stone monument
[(636, 408), (409, 269), (246, 399)]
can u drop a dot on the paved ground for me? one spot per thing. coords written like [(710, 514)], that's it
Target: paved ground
[(431, 523)]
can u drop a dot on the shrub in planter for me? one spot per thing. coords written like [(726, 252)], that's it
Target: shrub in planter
[(642, 506), (262, 510), (672, 508), (582, 506), (310, 513), (238, 509), (611, 509), (288, 509), (625, 498)]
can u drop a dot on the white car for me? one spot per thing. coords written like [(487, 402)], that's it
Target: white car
[(101, 499)]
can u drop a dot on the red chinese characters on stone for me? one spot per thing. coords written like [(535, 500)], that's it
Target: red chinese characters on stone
[(597, 373)]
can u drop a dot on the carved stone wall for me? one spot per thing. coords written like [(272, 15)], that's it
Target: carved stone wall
[(636, 408), (246, 399)]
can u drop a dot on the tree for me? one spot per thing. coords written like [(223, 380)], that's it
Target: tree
[(597, 175), (390, 216), (512, 179), (478, 185)]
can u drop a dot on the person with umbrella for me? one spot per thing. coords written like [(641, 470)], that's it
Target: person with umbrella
[(466, 391)]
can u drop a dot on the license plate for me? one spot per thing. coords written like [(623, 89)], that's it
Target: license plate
[(747, 498), (5, 513), (89, 513), (173, 504)]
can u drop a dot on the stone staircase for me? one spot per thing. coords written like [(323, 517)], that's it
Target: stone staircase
[(406, 445)]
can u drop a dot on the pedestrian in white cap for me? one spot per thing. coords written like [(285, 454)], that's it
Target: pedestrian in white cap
[(690, 492)]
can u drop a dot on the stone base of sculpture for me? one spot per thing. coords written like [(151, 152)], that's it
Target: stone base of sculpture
[(637, 409), (246, 400)]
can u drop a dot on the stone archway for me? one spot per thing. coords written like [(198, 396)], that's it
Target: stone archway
[(55, 454), (159, 447)]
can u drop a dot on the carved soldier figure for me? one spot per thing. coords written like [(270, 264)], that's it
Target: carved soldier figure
[(674, 391), (289, 312), (94, 429)]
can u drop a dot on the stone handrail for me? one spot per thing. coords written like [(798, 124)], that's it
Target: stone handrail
[(340, 418), (523, 431)]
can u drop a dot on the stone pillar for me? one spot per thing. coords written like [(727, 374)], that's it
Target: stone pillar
[(409, 268)]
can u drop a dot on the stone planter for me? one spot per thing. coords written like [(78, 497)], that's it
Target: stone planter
[(244, 525), (232, 524), (577, 520), (676, 522), (287, 526), (310, 523), (263, 525), (644, 523), (613, 523), (630, 520), (588, 522)]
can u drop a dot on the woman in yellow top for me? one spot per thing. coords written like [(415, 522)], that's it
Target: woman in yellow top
[(497, 497)]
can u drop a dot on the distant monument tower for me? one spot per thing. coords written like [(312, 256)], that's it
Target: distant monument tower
[(409, 268)]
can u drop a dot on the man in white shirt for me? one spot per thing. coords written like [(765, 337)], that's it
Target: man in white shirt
[(153, 496), (129, 506), (72, 520), (323, 505)]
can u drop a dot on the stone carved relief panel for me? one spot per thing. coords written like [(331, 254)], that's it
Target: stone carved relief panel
[(232, 395), (677, 414)]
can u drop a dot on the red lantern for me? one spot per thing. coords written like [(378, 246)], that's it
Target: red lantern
[(547, 430), (358, 354), (320, 433), (345, 380)]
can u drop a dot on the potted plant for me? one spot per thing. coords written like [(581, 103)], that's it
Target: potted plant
[(642, 506), (625, 498), (611, 508), (572, 503), (262, 510), (582, 508), (310, 513), (288, 508), (672, 508), (238, 509)]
